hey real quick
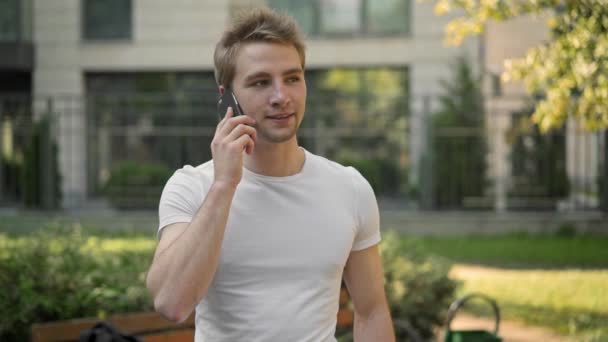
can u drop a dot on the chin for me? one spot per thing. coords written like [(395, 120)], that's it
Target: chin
[(277, 138)]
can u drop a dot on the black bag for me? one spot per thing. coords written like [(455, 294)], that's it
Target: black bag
[(105, 332)]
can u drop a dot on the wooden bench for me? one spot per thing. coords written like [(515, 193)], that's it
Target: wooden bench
[(149, 326)]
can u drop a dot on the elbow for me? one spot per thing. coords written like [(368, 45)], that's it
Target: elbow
[(171, 311), (166, 304)]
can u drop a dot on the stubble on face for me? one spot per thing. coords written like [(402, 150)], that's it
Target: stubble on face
[(270, 82)]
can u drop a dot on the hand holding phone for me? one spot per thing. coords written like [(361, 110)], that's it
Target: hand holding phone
[(234, 135), (228, 100)]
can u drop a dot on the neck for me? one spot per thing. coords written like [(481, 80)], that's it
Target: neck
[(275, 160)]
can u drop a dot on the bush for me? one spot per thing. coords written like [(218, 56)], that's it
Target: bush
[(61, 274), (382, 174), (418, 289), (135, 185), (40, 172), (417, 286), (12, 177)]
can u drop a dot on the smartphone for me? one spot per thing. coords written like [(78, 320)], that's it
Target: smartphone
[(228, 100)]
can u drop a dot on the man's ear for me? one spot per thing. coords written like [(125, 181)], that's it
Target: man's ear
[(222, 90)]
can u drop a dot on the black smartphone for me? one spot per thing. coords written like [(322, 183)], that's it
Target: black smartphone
[(228, 100)]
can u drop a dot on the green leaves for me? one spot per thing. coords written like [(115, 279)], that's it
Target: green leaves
[(417, 286), (569, 72), (59, 274)]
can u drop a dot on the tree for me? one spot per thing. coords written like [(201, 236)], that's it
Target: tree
[(458, 139), (570, 72)]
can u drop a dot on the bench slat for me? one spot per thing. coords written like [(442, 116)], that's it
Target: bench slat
[(172, 336), (151, 326), (135, 324)]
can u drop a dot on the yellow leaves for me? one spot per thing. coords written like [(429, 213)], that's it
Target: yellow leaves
[(601, 47), (398, 290), (457, 29), (442, 7), (552, 23), (489, 3), (590, 108), (566, 83), (583, 68), (543, 118), (570, 70)]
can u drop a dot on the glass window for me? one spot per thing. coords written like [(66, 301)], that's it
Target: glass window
[(388, 16), (107, 19), (9, 20), (340, 16), (160, 117), (362, 114), (305, 13), (363, 96), (348, 17)]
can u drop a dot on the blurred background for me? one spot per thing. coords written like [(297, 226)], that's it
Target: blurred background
[(102, 100)]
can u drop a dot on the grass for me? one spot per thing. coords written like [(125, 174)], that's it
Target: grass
[(553, 281), (560, 282), (520, 250)]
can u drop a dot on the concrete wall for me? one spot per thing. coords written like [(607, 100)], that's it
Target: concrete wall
[(503, 41)]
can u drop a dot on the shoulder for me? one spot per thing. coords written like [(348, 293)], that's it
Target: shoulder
[(190, 176), (333, 169), (329, 167)]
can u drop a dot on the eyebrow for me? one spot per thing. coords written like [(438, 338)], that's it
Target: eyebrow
[(259, 74)]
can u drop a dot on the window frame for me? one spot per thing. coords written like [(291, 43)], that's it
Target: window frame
[(17, 33), (85, 35), (363, 17)]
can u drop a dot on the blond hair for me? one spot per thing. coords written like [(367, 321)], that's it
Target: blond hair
[(259, 25)]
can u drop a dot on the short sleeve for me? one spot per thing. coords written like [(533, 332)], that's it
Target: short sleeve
[(366, 210), (181, 197)]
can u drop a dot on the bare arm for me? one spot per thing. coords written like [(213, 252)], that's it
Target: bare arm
[(186, 257), (364, 278)]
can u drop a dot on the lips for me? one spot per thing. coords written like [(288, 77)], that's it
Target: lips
[(280, 116)]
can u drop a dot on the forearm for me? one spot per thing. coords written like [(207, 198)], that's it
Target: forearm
[(182, 272), (375, 326)]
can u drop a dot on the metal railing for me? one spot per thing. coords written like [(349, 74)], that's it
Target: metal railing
[(91, 142)]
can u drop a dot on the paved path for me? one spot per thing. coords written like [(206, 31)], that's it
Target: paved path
[(404, 221)]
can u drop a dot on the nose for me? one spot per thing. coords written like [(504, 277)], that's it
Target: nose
[(279, 97)]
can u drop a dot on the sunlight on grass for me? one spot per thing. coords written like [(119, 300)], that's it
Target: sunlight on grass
[(563, 289), (136, 244), (569, 301)]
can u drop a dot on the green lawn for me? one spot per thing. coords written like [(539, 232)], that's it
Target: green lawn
[(555, 281), (558, 282), (520, 251)]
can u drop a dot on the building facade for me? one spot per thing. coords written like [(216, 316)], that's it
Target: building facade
[(111, 68), (81, 43)]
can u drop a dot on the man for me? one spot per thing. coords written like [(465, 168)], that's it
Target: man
[(259, 238)]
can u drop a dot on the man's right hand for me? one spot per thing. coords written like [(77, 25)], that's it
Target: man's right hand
[(187, 254), (233, 135)]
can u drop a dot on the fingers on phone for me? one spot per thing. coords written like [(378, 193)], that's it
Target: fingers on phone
[(246, 143), (223, 119), (240, 130), (233, 122), (229, 113)]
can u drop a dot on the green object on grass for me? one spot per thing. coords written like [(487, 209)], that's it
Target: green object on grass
[(472, 335)]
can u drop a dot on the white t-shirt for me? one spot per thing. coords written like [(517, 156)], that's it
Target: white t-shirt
[(284, 250)]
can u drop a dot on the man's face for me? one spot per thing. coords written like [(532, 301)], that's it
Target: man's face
[(269, 84)]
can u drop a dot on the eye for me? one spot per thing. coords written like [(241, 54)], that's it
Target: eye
[(293, 79), (260, 83)]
